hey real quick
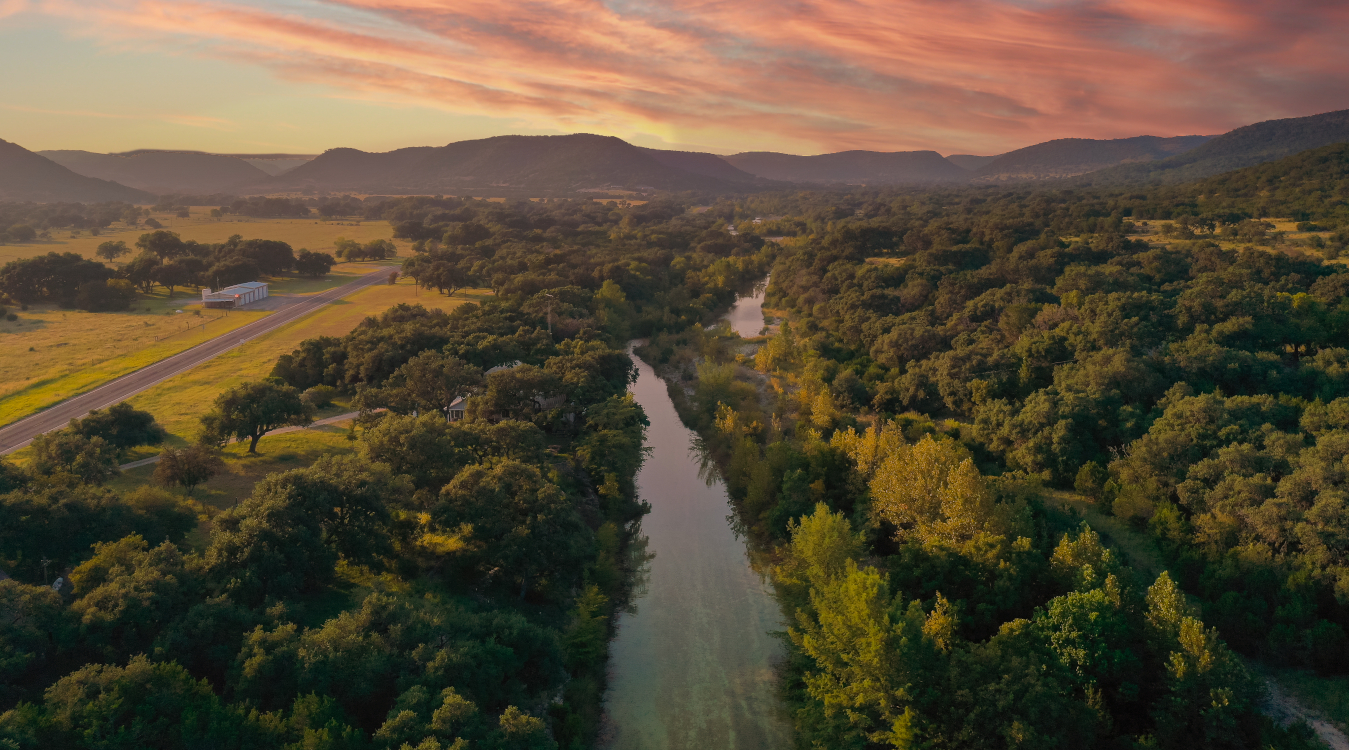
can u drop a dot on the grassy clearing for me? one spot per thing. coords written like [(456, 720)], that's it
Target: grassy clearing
[(293, 450), (50, 354), (299, 233), (180, 401), (1328, 696)]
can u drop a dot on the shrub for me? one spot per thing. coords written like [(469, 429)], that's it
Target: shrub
[(319, 396)]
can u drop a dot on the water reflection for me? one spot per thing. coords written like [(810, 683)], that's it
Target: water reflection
[(746, 315), (693, 661)]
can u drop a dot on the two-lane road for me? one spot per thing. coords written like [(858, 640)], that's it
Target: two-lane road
[(21, 433)]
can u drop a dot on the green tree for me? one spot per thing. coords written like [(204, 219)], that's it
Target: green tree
[(523, 522), (287, 536), (65, 453), (430, 381), (121, 426), (162, 243), (188, 467), (251, 410), (112, 250), (313, 265)]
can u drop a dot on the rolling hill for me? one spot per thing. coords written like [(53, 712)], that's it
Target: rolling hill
[(26, 176), (164, 171), (547, 163), (851, 167), (1068, 157), (1243, 147)]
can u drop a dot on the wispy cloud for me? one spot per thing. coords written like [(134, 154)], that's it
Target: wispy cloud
[(809, 75), (194, 121)]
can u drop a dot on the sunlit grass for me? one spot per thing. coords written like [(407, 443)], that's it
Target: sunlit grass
[(49, 355), (310, 233), (179, 402), (292, 450)]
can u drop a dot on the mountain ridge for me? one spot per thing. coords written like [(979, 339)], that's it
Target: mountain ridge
[(162, 172), (550, 163), (28, 176), (1246, 146)]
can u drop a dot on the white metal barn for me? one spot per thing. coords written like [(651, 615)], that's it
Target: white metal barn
[(234, 296)]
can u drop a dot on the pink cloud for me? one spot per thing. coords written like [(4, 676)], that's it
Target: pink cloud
[(977, 76)]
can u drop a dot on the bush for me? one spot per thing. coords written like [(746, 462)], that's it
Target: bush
[(11, 317), (101, 296), (319, 396)]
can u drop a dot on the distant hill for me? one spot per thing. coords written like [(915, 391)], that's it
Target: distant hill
[(851, 167), (554, 163), (1068, 157), (1243, 147), (26, 176), (970, 161), (1308, 185), (163, 171), (697, 162)]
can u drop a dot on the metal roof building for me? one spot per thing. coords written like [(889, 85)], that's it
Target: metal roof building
[(234, 296)]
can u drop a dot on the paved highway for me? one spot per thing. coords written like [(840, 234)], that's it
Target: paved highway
[(21, 433)]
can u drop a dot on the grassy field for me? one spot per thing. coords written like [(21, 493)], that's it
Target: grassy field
[(179, 402), (50, 354), (307, 233)]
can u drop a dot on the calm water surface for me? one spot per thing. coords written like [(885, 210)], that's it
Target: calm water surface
[(746, 316), (693, 665)]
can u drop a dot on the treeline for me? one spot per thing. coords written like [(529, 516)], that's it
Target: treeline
[(164, 259), (23, 222), (937, 604)]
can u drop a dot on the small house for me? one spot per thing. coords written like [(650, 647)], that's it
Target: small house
[(234, 296)]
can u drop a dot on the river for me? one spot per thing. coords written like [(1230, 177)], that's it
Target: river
[(746, 315), (692, 665)]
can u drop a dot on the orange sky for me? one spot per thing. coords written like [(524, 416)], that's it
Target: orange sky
[(803, 76)]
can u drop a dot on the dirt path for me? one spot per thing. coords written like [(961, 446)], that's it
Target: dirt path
[(1286, 709)]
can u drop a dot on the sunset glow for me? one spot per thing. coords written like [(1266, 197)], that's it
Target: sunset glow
[(973, 76)]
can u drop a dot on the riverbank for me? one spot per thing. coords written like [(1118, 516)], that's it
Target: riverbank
[(694, 661)]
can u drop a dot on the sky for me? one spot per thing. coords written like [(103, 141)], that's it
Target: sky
[(798, 76)]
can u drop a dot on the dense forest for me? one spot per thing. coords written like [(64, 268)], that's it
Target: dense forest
[(450, 584), (948, 361), (949, 364)]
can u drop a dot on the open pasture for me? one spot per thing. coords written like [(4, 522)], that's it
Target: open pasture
[(309, 233), (50, 354), (178, 403)]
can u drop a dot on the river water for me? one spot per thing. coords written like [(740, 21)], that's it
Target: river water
[(746, 316), (692, 664)]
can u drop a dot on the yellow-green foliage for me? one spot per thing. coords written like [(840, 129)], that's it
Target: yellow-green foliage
[(932, 491)]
